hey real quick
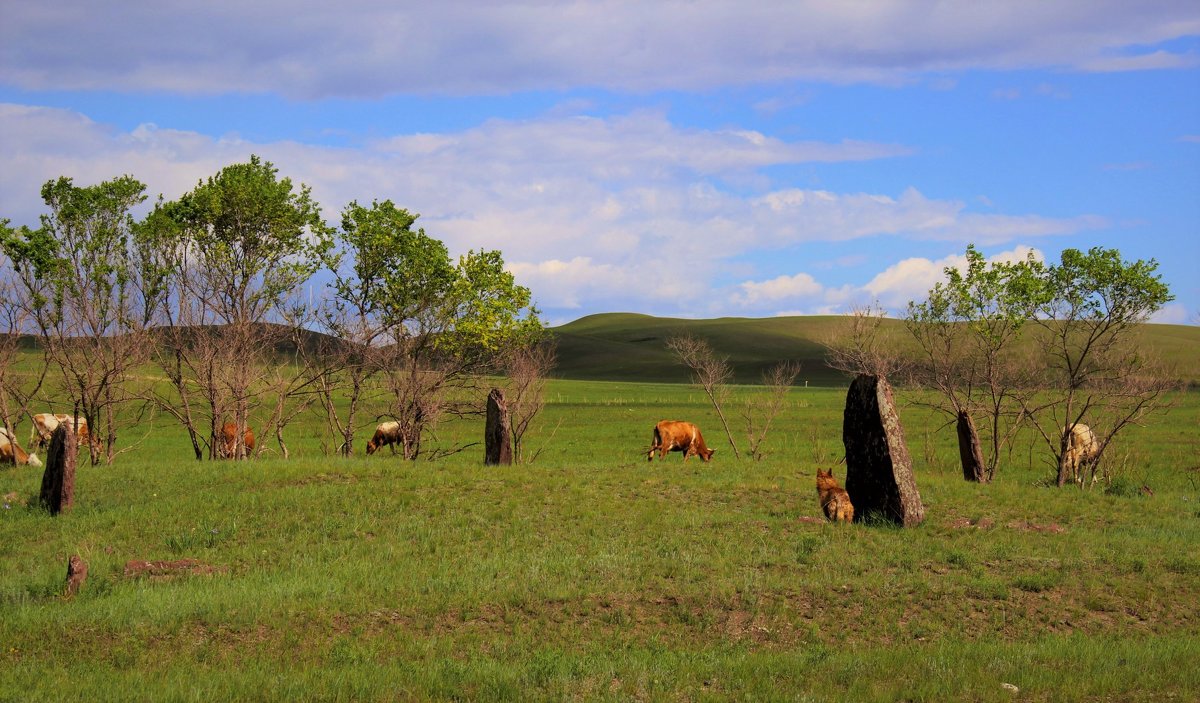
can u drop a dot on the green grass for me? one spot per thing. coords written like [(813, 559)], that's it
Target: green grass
[(592, 574)]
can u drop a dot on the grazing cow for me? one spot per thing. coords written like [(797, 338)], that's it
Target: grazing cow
[(11, 452), (44, 425), (1083, 448), (386, 434), (228, 444), (677, 436)]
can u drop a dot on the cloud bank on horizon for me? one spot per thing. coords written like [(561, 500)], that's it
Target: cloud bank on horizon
[(673, 158)]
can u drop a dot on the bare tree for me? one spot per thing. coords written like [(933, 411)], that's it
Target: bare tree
[(293, 385), (710, 372), (527, 368), (760, 412), (864, 344)]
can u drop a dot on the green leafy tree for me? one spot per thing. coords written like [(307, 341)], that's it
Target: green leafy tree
[(77, 273), (967, 332), (232, 253), (1090, 308), (404, 308), (384, 272), (22, 369)]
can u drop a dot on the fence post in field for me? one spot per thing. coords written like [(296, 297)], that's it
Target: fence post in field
[(58, 480), (496, 440)]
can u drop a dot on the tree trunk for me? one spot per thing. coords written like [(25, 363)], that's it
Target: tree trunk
[(969, 451), (1064, 470), (497, 447)]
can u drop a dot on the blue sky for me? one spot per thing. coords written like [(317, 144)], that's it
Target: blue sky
[(691, 159)]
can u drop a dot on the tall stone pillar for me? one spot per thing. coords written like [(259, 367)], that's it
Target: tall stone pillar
[(58, 480), (879, 476)]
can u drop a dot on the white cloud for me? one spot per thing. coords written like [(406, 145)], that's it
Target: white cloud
[(912, 278), (801, 285), (367, 48), (1174, 314), (600, 214), (892, 288), (1157, 60)]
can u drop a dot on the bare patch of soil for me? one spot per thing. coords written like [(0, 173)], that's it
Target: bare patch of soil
[(1026, 526), (167, 570)]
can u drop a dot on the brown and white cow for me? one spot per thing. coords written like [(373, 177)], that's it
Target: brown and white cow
[(386, 434), (12, 453), (1083, 448), (44, 425), (678, 436), (228, 441)]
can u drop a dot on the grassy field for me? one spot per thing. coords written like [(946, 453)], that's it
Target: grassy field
[(593, 575)]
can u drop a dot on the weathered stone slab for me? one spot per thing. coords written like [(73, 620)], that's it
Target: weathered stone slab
[(879, 476)]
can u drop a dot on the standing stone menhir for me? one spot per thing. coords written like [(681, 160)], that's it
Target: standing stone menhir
[(879, 475), (58, 480)]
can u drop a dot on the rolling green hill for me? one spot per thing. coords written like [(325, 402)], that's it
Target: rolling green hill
[(632, 347)]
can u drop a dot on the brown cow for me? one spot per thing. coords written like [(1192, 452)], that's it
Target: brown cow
[(386, 434), (677, 436), (11, 452), (44, 425), (228, 444)]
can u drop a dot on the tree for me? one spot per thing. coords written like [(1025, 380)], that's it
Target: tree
[(527, 368), (404, 308), (77, 272), (375, 253), (1090, 308), (234, 250), (863, 344), (710, 372), (759, 413), (21, 371), (967, 331)]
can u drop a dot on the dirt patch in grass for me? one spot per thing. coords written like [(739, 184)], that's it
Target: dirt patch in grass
[(1026, 526), (167, 570)]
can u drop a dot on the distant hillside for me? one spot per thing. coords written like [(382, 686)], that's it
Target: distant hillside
[(632, 347)]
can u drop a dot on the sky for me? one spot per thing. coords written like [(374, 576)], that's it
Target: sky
[(683, 159)]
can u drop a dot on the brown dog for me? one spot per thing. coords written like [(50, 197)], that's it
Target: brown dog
[(835, 501)]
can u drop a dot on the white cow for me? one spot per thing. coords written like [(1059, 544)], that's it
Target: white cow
[(44, 425), (1083, 448), (11, 452)]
